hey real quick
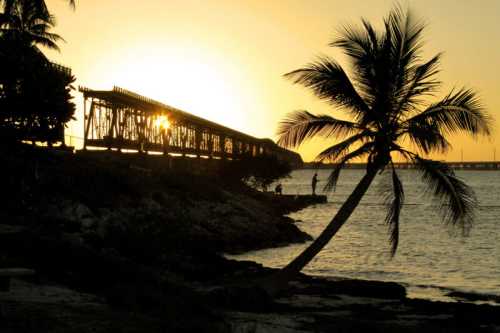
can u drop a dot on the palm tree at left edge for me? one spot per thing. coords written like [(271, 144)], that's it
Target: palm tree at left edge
[(29, 26), (40, 4)]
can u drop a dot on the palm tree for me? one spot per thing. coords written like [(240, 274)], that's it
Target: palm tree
[(385, 102), (40, 4), (25, 23)]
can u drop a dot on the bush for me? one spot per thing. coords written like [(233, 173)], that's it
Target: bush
[(258, 172)]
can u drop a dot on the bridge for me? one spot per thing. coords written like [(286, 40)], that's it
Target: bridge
[(119, 119), (471, 165)]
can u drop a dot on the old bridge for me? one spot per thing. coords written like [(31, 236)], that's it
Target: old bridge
[(120, 119)]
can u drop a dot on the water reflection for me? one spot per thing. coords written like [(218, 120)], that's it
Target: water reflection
[(430, 253)]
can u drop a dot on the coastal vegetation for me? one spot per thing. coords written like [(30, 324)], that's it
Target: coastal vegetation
[(258, 171), (385, 101), (35, 94)]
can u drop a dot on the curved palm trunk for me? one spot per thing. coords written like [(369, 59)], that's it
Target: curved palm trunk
[(279, 281)]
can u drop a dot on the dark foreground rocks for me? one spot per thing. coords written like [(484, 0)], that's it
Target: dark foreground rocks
[(83, 290), (338, 305), (109, 198), (224, 300)]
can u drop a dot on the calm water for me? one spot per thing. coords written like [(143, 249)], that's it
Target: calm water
[(432, 258)]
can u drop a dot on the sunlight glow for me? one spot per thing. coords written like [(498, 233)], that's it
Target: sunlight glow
[(208, 87), (162, 122)]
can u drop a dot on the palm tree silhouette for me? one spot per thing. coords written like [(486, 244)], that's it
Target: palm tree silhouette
[(385, 101), (27, 24), (40, 4)]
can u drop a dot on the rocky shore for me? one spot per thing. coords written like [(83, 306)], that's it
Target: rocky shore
[(120, 246), (95, 198)]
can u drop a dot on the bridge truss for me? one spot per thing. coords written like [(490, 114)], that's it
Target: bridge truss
[(120, 119)]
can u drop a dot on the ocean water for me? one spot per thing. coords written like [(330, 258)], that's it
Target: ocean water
[(432, 259)]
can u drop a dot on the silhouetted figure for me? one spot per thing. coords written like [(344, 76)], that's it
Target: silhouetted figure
[(278, 189), (314, 181)]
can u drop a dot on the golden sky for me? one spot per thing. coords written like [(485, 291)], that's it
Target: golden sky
[(224, 59)]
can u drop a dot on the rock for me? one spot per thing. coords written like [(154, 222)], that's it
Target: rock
[(80, 211), (363, 288), (73, 239), (88, 222), (151, 205), (474, 297), (71, 214), (248, 299), (222, 209)]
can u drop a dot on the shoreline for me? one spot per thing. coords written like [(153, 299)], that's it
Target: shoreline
[(431, 293), (311, 304)]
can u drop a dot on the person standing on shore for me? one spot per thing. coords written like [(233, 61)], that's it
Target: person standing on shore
[(279, 189), (314, 181)]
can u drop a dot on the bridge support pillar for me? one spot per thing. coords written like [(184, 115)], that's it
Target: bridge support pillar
[(222, 145)]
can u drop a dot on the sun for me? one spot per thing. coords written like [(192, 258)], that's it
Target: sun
[(198, 85), (162, 122)]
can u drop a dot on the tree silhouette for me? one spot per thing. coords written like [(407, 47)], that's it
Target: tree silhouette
[(257, 171), (35, 99), (27, 23), (40, 4), (385, 101)]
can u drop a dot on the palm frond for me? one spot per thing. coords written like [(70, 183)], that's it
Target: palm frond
[(72, 3), (47, 40), (457, 200), (333, 178), (420, 82), (362, 48), (50, 20), (329, 82), (302, 125), (29, 22), (406, 41), (426, 137), (403, 37), (457, 112), (356, 43), (394, 199), (339, 150), (371, 34)]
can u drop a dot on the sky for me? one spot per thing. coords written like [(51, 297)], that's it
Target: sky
[(224, 60)]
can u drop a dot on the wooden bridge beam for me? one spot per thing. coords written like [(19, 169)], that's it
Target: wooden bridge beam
[(89, 118)]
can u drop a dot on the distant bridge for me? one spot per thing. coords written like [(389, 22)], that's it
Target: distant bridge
[(120, 119), (475, 165)]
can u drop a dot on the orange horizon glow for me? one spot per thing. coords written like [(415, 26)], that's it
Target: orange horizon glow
[(224, 60)]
